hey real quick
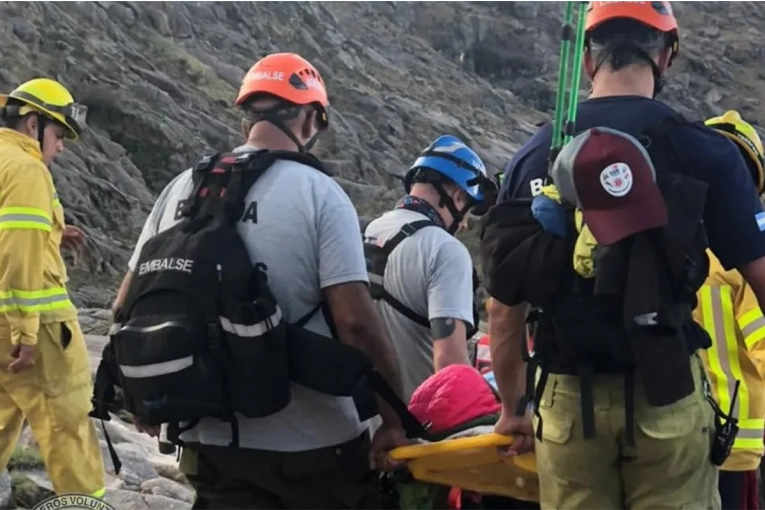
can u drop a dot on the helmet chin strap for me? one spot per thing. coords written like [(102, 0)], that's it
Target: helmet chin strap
[(276, 116), (41, 121), (446, 201), (658, 79)]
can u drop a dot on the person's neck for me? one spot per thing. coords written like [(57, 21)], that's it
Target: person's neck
[(433, 199), (273, 140), (627, 82)]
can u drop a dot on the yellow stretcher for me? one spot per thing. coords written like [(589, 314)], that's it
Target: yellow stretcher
[(473, 463)]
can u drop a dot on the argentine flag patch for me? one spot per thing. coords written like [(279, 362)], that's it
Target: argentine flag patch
[(760, 218)]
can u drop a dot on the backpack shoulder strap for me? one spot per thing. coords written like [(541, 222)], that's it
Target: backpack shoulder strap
[(215, 171), (307, 159), (661, 127), (406, 231), (221, 181), (198, 176)]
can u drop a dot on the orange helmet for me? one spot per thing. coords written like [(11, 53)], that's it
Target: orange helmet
[(287, 76), (657, 15)]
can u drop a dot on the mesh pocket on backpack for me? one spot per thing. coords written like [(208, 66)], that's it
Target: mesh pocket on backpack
[(258, 367), (165, 364)]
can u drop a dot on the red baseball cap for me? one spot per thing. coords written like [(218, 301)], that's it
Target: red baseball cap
[(609, 175)]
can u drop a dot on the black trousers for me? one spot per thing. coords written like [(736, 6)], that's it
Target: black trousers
[(734, 490)]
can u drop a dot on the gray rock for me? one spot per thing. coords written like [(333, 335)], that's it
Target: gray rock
[(94, 321), (5, 490), (164, 503), (159, 20), (136, 467), (30, 488), (169, 471), (25, 31), (169, 489), (128, 500)]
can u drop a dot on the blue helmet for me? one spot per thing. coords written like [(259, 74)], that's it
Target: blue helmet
[(449, 157)]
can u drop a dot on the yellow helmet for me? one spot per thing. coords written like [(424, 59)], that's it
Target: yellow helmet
[(50, 98), (731, 124)]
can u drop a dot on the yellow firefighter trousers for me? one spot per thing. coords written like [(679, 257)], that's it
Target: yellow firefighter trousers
[(54, 395)]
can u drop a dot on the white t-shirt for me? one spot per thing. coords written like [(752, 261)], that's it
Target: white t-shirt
[(430, 273), (306, 232)]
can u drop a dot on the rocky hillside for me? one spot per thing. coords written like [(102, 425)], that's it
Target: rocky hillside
[(159, 78)]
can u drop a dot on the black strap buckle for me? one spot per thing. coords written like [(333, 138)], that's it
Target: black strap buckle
[(408, 229), (206, 163)]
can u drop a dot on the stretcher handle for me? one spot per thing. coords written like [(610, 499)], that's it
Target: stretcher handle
[(450, 445)]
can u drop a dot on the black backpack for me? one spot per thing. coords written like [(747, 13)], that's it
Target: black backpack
[(377, 260), (200, 333), (580, 327)]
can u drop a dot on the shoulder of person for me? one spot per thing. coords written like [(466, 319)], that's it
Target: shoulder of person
[(447, 249), (705, 146), (324, 187), (15, 161), (177, 189)]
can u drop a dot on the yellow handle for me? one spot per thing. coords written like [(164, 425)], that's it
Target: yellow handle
[(450, 445)]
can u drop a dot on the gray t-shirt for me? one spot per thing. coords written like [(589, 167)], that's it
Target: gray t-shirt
[(431, 273), (306, 233)]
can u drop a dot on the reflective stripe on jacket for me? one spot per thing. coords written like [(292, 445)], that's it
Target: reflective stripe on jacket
[(729, 311), (33, 274)]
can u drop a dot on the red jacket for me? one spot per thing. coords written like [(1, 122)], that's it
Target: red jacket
[(454, 396)]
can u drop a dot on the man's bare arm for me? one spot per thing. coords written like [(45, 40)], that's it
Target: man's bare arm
[(754, 274), (120, 299), (122, 292), (449, 343), (507, 331), (359, 325)]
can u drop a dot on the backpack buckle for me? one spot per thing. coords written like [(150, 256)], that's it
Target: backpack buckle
[(246, 157), (206, 163), (408, 229)]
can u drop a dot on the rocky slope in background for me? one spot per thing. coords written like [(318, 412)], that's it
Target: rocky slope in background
[(159, 78)]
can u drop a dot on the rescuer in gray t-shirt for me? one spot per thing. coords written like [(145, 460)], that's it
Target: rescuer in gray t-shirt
[(431, 273)]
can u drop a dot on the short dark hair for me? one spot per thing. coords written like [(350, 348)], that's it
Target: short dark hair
[(615, 43), (428, 176)]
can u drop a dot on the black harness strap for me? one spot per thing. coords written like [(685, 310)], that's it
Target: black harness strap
[(103, 394), (391, 244), (412, 426)]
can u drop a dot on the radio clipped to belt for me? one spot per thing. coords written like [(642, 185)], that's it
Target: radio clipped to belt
[(725, 431)]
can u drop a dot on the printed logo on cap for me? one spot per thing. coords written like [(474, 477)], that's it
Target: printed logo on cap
[(616, 179)]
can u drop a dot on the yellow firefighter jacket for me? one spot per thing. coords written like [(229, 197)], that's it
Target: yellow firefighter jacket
[(729, 311), (32, 271)]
